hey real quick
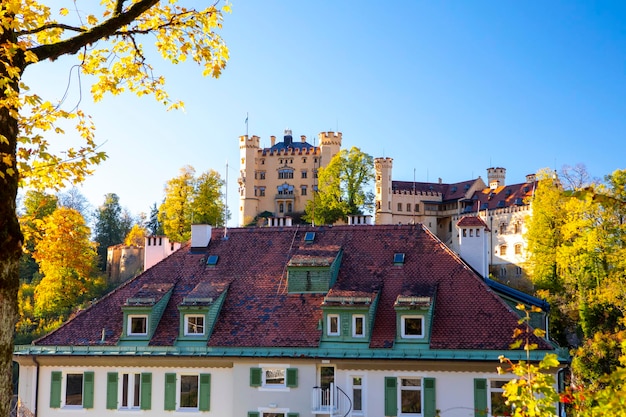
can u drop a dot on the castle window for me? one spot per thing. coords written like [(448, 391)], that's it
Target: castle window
[(503, 272), (261, 175), (285, 174), (399, 206), (304, 160), (518, 249), (502, 228), (417, 208), (408, 207), (281, 208), (518, 228), (262, 161), (518, 271), (502, 250), (261, 191), (464, 232), (304, 174), (315, 173), (477, 232), (289, 208), (303, 190), (315, 160), (471, 232)]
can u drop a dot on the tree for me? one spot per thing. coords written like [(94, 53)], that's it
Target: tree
[(208, 202), (154, 227), (191, 200), (73, 199), (342, 188), (109, 49), (67, 259), (136, 236), (109, 229)]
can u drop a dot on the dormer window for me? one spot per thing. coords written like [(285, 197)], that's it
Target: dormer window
[(194, 325), (333, 325), (138, 325), (412, 326), (358, 325)]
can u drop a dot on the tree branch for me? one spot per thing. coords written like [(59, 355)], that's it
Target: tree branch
[(107, 28), (51, 26)]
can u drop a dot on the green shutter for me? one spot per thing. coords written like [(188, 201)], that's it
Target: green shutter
[(55, 390), (430, 405), (256, 377), (253, 414), (480, 397), (293, 414), (112, 390), (391, 396), (88, 390), (292, 377), (146, 391), (170, 392), (204, 403)]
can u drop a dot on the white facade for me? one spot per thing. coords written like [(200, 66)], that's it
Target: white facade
[(156, 249)]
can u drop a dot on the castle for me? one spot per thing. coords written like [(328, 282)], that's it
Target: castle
[(278, 181)]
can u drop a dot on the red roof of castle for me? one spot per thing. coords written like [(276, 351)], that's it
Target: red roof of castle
[(259, 312)]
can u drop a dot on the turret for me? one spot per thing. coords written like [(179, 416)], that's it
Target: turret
[(383, 167), (330, 144), (248, 149), (496, 177)]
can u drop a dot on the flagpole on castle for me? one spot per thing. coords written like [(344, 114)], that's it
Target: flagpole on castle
[(246, 124)]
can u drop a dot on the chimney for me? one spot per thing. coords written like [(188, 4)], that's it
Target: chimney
[(303, 138), (200, 235), (272, 140)]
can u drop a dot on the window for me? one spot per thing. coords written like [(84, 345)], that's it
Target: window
[(131, 390), (357, 394), (518, 271), (289, 207), (412, 326), (464, 232), (502, 228), (358, 325), (285, 174), (261, 175), (188, 391), (262, 191), (408, 207), (281, 207), (518, 228), (304, 174), (333, 325), (502, 250), (74, 389), (498, 407), (477, 232), (303, 190), (137, 325), (417, 208), (315, 173), (518, 249), (399, 206), (503, 272), (471, 232), (194, 324), (274, 377), (410, 396)]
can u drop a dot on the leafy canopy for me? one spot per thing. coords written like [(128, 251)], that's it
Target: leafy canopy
[(107, 44)]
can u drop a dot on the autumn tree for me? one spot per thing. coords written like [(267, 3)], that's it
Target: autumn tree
[(136, 236), (342, 188), (109, 49), (191, 200), (108, 229)]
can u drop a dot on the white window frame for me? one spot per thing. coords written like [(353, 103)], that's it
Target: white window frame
[(493, 390), (419, 388), (179, 386), (266, 411), (129, 324), (403, 326), (363, 329), (351, 386), (273, 387), (329, 319), (64, 382), (133, 378), (186, 324)]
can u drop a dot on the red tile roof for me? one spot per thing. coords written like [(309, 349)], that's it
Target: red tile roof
[(259, 312)]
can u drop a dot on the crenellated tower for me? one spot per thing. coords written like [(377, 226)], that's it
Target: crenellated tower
[(383, 168), (330, 145), (496, 177), (248, 202)]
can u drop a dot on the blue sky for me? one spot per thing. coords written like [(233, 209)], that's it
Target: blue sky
[(446, 89)]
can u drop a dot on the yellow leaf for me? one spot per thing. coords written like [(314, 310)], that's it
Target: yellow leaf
[(63, 11)]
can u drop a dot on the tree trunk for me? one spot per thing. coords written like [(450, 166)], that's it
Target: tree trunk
[(10, 235)]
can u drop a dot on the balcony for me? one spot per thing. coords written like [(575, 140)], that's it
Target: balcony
[(331, 401)]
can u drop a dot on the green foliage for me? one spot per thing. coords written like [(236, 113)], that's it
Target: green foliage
[(342, 188), (598, 356), (191, 200), (154, 226), (109, 229), (136, 236)]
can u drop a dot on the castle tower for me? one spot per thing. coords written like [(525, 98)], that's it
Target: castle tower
[(248, 202), (496, 177), (330, 144), (383, 167)]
